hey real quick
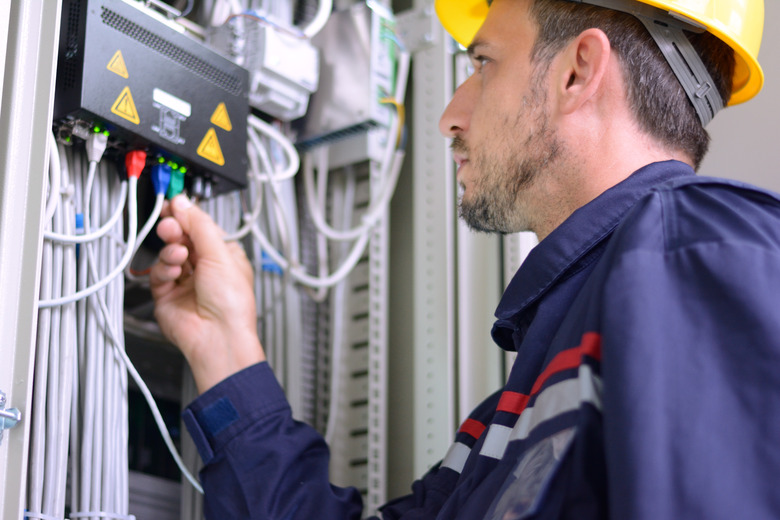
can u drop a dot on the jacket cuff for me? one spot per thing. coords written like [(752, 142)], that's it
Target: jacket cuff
[(231, 406)]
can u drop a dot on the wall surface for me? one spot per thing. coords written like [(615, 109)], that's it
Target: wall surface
[(746, 138)]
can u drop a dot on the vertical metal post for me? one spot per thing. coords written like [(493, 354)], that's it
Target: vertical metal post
[(378, 279), (30, 30), (434, 380)]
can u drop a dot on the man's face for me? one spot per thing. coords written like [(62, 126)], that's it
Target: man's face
[(498, 120)]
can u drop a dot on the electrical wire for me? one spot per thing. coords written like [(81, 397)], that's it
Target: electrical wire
[(147, 395), (159, 201), (391, 162), (55, 170), (131, 239), (293, 160), (320, 18), (104, 230)]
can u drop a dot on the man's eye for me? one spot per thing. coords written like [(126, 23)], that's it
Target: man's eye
[(479, 62)]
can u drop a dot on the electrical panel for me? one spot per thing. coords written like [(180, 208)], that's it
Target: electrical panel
[(282, 63), (357, 73), (126, 70)]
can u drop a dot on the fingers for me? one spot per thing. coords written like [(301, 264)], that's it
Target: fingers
[(203, 233), (169, 230), (174, 254)]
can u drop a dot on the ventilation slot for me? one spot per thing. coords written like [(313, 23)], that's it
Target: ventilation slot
[(218, 77), (72, 49)]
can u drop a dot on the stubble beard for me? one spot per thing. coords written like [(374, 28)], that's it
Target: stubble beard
[(497, 202)]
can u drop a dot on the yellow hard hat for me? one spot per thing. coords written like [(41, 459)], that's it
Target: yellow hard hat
[(739, 23)]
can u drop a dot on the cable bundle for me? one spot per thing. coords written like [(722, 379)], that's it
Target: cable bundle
[(81, 364)]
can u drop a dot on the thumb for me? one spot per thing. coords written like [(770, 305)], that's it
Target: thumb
[(203, 232)]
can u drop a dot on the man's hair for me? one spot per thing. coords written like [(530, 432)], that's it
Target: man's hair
[(658, 100)]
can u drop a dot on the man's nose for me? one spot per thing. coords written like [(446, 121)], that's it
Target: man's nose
[(456, 117)]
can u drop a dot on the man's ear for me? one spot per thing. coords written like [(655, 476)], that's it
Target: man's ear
[(582, 67)]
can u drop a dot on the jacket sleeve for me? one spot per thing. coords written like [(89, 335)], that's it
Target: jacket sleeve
[(259, 462), (691, 367)]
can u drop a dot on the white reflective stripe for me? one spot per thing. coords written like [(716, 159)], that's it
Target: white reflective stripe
[(558, 399), (456, 457), (495, 441), (590, 386)]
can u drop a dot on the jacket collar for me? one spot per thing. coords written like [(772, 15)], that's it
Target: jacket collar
[(562, 250)]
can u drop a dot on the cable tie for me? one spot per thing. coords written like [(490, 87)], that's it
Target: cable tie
[(269, 266), (29, 514), (101, 514)]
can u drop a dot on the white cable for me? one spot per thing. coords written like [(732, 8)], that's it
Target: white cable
[(115, 341), (131, 239), (149, 399), (320, 19), (97, 234), (67, 346), (293, 160), (338, 318), (342, 272), (150, 222), (38, 417), (250, 218), (321, 239), (301, 276), (388, 175), (54, 174), (52, 386)]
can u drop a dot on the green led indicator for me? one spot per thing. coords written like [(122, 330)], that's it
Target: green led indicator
[(106, 133), (174, 166), (161, 160), (96, 129), (183, 169)]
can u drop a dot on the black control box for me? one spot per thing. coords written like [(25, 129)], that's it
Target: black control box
[(129, 70)]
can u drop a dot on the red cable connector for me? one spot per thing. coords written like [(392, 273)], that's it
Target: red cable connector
[(135, 162)]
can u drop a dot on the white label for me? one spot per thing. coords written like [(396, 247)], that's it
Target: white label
[(172, 102)]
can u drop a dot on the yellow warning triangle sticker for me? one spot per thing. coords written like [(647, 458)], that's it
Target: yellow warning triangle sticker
[(221, 118), (209, 148), (117, 65), (125, 107)]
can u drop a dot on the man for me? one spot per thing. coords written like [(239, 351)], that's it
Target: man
[(646, 323)]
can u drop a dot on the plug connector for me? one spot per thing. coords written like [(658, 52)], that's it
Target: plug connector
[(135, 162), (96, 145), (177, 183), (161, 178)]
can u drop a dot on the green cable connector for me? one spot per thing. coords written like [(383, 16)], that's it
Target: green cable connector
[(177, 183)]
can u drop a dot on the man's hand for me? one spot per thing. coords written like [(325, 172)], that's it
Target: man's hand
[(203, 292)]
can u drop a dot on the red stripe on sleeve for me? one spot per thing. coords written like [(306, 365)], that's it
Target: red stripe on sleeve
[(472, 427), (513, 402), (590, 345)]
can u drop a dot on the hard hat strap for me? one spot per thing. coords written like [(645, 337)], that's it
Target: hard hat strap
[(689, 69), (667, 31)]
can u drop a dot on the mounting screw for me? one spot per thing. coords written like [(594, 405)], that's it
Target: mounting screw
[(8, 418)]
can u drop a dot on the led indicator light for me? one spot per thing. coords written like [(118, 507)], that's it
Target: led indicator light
[(183, 169), (161, 160)]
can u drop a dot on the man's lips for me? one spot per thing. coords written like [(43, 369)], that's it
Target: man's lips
[(460, 159)]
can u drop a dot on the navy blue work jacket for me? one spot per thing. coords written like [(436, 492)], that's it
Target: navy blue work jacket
[(646, 385)]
